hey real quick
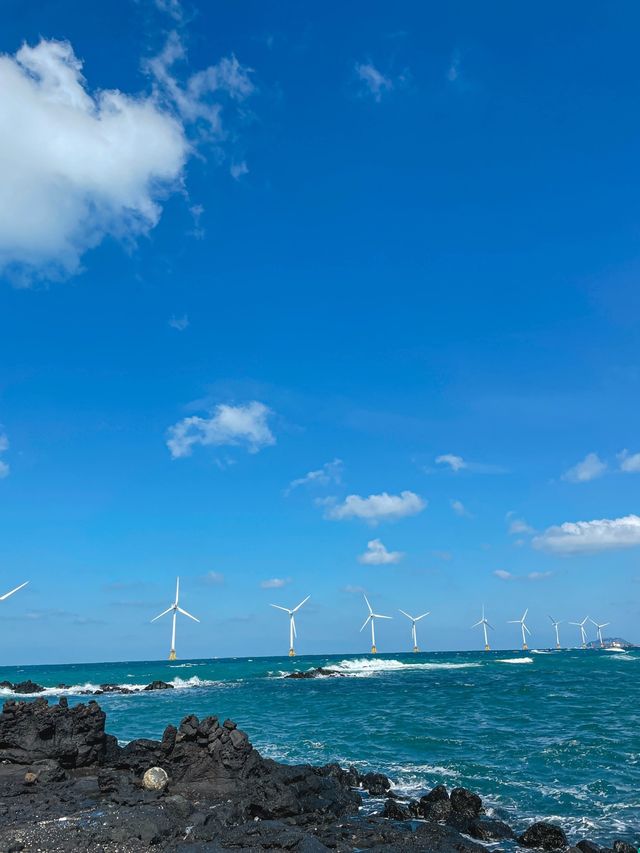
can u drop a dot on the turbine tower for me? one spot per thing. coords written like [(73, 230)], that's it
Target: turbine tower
[(583, 633), (175, 610), (7, 594), (485, 625), (372, 618), (555, 624), (414, 619), (599, 631), (292, 623), (523, 627)]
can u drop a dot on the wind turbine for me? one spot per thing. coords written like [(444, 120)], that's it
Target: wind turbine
[(7, 594), (414, 619), (175, 610), (599, 631), (524, 628), (555, 624), (583, 633), (292, 623), (372, 618), (485, 625)]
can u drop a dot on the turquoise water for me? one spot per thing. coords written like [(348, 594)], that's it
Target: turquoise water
[(553, 735)]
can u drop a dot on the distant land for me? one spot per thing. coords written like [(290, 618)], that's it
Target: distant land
[(612, 643)]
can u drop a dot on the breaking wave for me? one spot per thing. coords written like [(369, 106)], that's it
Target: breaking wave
[(514, 660)]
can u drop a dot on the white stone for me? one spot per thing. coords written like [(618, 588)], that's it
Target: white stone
[(155, 779)]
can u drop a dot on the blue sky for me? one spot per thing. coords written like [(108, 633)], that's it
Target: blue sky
[(244, 243)]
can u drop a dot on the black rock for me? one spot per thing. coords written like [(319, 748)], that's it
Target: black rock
[(317, 672), (435, 805), (490, 829), (624, 847), (588, 846), (544, 836), (465, 803), (27, 686), (375, 783), (393, 810), (159, 685)]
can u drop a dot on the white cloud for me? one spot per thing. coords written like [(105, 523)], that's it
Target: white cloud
[(532, 576), (4, 470), (79, 165), (590, 468), (4, 445), (519, 526), (179, 323), (237, 170), (377, 555), (245, 425), (275, 583), (581, 537), (373, 81), (375, 508), (459, 508), (331, 472), (629, 462), (456, 463), (4, 442)]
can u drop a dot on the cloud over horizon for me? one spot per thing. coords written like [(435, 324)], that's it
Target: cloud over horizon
[(590, 468)]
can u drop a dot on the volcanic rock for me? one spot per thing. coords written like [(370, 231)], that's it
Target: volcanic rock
[(545, 836), (155, 779), (158, 685), (317, 672)]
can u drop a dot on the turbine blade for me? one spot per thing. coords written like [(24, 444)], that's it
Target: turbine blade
[(277, 606), (366, 622), (368, 605), (488, 625), (380, 616), (513, 622), (526, 629), (184, 613), (525, 615), (406, 614), (177, 589), (164, 613), (7, 594), (418, 618), (553, 621), (606, 625), (479, 622), (301, 603)]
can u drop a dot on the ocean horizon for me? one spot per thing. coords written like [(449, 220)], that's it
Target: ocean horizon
[(540, 735)]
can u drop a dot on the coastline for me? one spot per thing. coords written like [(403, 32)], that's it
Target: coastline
[(66, 784)]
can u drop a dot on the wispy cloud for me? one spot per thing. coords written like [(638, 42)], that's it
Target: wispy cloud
[(459, 508), (373, 82), (453, 71), (629, 462), (274, 583), (532, 576), (179, 323), (4, 446), (588, 469), (212, 579), (457, 463), (583, 537), (245, 425), (237, 170), (518, 526), (375, 508), (331, 472), (377, 555)]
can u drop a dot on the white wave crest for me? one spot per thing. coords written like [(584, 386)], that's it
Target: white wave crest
[(88, 688), (514, 660), (363, 667)]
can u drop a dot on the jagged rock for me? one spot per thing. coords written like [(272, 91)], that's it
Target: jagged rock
[(317, 672), (32, 731), (545, 836), (435, 805), (395, 811), (155, 779), (158, 685), (375, 783), (466, 803), (23, 687)]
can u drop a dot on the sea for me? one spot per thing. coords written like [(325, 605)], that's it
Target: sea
[(540, 735)]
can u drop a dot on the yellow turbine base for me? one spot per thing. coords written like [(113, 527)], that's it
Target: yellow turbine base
[(172, 654), (487, 648), (374, 651), (558, 646), (416, 649), (525, 647), (292, 653)]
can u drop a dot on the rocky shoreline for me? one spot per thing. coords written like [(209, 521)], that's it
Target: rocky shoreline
[(66, 785), (29, 688)]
